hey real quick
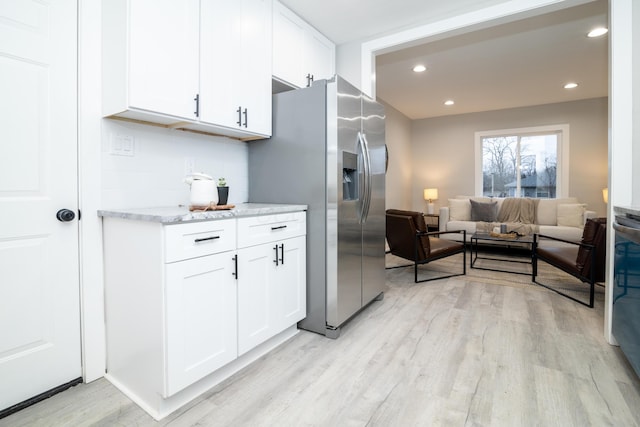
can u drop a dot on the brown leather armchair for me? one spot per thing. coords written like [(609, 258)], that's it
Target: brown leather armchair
[(408, 238), (584, 261)]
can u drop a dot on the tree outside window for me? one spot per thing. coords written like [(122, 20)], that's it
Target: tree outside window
[(520, 165)]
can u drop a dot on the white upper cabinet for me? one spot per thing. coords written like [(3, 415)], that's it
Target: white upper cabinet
[(235, 66), (300, 53), (164, 64), (202, 65)]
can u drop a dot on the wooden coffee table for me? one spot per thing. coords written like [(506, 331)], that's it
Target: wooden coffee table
[(523, 242)]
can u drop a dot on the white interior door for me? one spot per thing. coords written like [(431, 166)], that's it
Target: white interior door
[(39, 285)]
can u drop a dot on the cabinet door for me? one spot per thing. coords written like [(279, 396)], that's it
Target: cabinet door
[(255, 60), (290, 284), (255, 288), (201, 321), (299, 50), (221, 31), (288, 41), (235, 67), (319, 55), (163, 56)]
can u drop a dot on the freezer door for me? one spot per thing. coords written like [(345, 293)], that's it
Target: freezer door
[(373, 226), (344, 234)]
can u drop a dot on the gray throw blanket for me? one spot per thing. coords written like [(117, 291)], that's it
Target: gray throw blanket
[(519, 214), (518, 210)]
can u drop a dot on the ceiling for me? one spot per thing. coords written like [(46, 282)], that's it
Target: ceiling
[(516, 64)]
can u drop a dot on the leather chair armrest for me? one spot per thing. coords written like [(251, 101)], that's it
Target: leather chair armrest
[(438, 233), (536, 240)]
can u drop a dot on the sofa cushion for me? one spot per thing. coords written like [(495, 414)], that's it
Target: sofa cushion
[(572, 234), (487, 212), (571, 214), (468, 226), (459, 210), (546, 211)]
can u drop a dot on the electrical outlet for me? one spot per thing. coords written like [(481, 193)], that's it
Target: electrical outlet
[(189, 165), (122, 145)]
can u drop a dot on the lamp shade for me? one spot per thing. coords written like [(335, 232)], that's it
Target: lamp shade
[(605, 195), (431, 194)]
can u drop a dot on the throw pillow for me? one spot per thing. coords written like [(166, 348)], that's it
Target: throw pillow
[(547, 210), (486, 212), (571, 215), (459, 210)]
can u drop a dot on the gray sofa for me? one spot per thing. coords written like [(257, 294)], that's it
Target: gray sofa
[(562, 218)]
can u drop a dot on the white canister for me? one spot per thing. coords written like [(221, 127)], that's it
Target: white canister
[(203, 190)]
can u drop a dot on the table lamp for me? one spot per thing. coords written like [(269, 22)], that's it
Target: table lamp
[(430, 194)]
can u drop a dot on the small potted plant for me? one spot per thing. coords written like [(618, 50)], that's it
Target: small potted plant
[(223, 191)]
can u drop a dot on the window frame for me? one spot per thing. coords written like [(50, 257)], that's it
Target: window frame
[(563, 132)]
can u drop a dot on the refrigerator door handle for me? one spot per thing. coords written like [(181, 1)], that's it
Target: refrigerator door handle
[(361, 182), (367, 172)]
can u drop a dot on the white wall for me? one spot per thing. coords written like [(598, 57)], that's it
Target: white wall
[(348, 62), (154, 175), (399, 174), (443, 148)]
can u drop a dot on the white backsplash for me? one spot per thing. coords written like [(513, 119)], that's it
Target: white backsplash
[(153, 175)]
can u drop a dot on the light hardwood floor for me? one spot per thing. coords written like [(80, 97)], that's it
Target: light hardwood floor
[(466, 351)]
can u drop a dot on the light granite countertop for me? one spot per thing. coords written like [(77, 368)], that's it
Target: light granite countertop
[(179, 214)]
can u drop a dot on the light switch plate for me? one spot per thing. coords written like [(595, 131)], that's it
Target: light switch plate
[(122, 145)]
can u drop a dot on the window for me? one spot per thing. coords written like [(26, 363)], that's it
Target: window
[(522, 162)]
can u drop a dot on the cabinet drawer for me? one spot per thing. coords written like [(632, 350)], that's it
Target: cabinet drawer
[(268, 228), (184, 241)]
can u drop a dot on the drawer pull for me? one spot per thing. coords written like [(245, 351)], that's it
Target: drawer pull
[(235, 266), (281, 254), (276, 260), (278, 228), (204, 239)]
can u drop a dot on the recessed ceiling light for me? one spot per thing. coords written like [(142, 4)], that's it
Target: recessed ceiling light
[(571, 85), (597, 32), (419, 68), (449, 102)]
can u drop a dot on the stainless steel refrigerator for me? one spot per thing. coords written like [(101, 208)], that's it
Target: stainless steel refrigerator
[(328, 151)]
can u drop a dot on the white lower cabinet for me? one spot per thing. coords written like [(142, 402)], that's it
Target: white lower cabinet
[(270, 297), (186, 306), (201, 318)]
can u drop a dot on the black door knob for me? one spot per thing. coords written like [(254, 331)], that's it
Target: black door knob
[(65, 215)]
